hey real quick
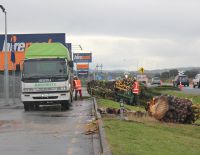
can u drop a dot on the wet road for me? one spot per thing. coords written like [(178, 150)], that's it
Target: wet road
[(191, 90), (187, 90), (46, 132)]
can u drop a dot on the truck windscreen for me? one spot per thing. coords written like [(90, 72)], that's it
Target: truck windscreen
[(44, 68)]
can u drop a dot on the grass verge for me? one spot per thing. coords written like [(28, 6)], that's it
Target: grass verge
[(194, 98), (146, 136), (105, 103), (151, 138)]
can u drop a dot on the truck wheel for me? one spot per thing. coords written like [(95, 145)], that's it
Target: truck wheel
[(26, 106), (31, 106), (193, 85), (199, 85), (65, 105), (37, 107)]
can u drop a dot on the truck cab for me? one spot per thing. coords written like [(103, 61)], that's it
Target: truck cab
[(46, 77)]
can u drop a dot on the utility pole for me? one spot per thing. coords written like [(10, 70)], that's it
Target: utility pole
[(13, 40), (97, 67), (101, 66), (6, 76)]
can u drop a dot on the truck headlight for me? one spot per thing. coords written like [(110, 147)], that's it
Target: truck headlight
[(62, 88)]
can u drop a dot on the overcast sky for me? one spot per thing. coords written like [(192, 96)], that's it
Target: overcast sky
[(121, 34)]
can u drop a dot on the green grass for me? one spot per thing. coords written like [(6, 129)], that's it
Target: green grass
[(105, 103), (146, 136), (195, 98), (151, 138)]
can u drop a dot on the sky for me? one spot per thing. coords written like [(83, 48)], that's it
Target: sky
[(121, 34)]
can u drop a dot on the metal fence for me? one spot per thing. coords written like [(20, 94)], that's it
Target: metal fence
[(14, 86)]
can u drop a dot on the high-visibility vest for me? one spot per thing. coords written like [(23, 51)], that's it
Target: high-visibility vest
[(136, 88), (77, 84)]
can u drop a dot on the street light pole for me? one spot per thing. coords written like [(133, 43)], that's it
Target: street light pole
[(97, 75), (75, 48), (6, 80)]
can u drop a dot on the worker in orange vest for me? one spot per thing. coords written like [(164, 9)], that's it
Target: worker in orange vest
[(136, 91), (77, 87)]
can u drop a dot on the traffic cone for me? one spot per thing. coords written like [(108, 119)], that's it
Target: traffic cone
[(191, 85), (181, 86), (161, 83)]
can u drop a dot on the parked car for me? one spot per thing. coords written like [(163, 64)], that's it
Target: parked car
[(181, 78), (142, 78), (155, 80), (196, 81)]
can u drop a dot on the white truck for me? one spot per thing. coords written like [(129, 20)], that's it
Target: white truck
[(142, 78), (196, 81), (47, 76)]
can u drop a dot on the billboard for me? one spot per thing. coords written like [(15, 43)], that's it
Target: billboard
[(82, 73), (23, 41), (82, 70), (82, 66), (82, 57), (69, 47)]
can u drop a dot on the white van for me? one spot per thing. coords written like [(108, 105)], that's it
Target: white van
[(142, 78)]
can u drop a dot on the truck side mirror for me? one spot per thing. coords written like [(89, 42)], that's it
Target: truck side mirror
[(71, 64), (17, 67)]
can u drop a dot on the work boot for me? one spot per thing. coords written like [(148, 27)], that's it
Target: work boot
[(81, 98)]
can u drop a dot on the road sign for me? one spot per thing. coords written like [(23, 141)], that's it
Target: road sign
[(141, 70), (82, 73), (82, 66), (82, 57)]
